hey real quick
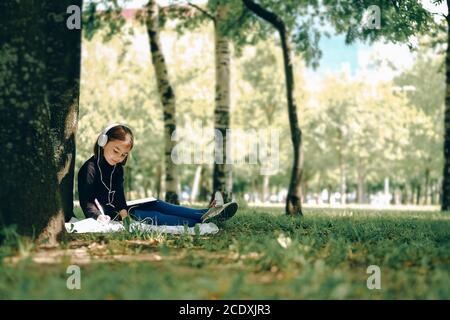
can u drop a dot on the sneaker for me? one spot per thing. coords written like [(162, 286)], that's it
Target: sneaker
[(218, 200), (223, 213)]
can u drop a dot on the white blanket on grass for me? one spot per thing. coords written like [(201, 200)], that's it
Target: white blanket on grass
[(92, 225)]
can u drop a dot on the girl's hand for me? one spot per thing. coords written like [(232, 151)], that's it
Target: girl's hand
[(103, 218), (123, 213)]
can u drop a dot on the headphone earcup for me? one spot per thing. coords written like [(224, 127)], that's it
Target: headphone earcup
[(102, 140)]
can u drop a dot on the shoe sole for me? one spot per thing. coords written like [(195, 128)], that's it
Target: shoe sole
[(224, 214), (228, 212)]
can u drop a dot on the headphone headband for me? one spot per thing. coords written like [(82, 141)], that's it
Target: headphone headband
[(103, 138)]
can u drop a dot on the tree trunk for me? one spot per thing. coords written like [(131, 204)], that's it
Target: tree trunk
[(434, 190), (222, 176), (254, 194), (196, 183), (205, 183), (396, 196), (387, 192), (361, 175), (404, 196), (31, 178), (305, 190), (63, 92), (439, 191), (343, 183), (265, 188), (412, 200), (418, 193), (445, 196), (427, 186), (167, 97), (293, 201), (329, 193), (412, 193), (146, 188), (160, 181)]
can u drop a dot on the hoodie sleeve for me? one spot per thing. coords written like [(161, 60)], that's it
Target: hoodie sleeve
[(86, 178), (120, 193)]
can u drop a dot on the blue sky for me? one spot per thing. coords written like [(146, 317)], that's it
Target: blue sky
[(335, 52)]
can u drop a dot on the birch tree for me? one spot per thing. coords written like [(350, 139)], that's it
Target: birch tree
[(167, 97)]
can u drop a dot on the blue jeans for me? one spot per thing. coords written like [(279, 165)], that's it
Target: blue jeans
[(162, 213)]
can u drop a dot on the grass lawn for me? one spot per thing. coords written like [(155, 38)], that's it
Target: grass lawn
[(259, 254)]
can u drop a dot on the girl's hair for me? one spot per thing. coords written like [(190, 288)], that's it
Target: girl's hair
[(119, 132)]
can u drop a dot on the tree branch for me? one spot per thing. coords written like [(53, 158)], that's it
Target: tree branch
[(439, 14), (265, 14), (206, 13)]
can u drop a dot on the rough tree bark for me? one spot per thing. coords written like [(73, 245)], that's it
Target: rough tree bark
[(293, 200), (222, 175), (445, 196), (167, 96), (222, 172), (30, 192), (63, 88)]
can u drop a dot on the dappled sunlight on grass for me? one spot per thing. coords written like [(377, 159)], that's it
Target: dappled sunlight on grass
[(260, 253)]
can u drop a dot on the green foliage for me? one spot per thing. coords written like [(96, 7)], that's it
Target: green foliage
[(399, 19), (103, 15), (360, 124), (424, 154)]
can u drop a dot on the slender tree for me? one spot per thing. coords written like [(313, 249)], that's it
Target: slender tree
[(167, 97), (294, 196), (298, 21), (222, 173)]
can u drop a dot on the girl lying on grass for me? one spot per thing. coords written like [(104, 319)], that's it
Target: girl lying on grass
[(101, 192)]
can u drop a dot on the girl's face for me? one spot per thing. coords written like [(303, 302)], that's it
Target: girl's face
[(115, 151)]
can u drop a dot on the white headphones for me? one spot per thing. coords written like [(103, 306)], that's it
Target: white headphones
[(103, 138), (102, 141)]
